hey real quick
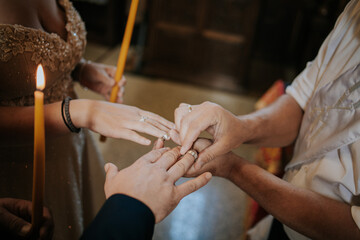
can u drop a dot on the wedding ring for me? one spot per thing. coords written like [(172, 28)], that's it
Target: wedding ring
[(143, 118), (189, 108), (165, 137), (193, 153)]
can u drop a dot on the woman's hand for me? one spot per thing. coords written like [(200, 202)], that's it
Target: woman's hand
[(118, 120), (100, 78), (224, 126), (151, 179)]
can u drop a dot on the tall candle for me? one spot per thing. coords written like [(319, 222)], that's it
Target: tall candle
[(124, 48), (39, 152), (123, 52)]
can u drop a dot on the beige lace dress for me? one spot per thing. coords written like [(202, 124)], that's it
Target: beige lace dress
[(74, 170)]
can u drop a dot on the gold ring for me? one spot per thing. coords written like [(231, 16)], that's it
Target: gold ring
[(193, 153)]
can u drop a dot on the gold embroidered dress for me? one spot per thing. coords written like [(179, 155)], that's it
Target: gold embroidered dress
[(74, 170)]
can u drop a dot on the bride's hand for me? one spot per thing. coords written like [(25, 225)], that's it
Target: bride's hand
[(118, 120), (100, 78)]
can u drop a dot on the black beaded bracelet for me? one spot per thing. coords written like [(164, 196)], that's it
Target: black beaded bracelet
[(66, 115)]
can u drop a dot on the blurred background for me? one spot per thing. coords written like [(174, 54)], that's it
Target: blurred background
[(235, 45), (225, 51)]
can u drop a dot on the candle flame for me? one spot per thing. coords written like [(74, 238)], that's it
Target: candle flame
[(40, 78)]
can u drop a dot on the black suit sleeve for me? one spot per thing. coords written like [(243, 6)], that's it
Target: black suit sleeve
[(121, 217)]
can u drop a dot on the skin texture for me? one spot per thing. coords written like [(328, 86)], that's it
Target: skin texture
[(151, 179)]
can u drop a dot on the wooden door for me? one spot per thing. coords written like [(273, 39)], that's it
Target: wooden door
[(201, 41)]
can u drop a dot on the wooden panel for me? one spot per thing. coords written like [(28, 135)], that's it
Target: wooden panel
[(201, 41), (168, 11), (215, 57), (174, 47), (230, 16)]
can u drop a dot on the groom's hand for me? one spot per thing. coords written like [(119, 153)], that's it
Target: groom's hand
[(151, 179)]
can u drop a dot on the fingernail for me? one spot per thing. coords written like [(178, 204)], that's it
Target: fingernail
[(147, 142), (208, 175), (24, 231), (106, 167), (182, 151)]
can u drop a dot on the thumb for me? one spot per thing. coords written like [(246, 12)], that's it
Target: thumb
[(208, 154), (159, 143), (193, 185), (174, 135), (111, 171)]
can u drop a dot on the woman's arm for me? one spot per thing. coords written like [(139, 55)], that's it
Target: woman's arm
[(17, 123), (108, 119)]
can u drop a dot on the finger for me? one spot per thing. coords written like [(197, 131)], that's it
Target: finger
[(130, 135), (158, 125), (110, 70), (192, 172), (201, 144), (164, 150), (158, 118), (190, 131), (119, 97), (153, 155), (122, 82), (181, 167), (192, 185), (159, 143), (174, 135), (169, 158), (16, 225), (179, 114), (111, 171), (147, 128), (47, 228), (208, 154)]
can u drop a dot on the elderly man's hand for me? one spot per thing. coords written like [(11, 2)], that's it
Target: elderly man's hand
[(227, 130)]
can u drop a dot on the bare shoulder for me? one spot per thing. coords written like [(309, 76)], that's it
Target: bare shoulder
[(19, 12)]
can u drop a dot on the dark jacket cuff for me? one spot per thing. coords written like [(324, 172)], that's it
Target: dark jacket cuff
[(121, 217)]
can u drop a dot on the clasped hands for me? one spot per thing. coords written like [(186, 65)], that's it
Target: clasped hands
[(151, 179)]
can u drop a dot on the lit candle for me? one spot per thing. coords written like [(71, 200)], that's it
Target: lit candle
[(123, 52), (39, 152)]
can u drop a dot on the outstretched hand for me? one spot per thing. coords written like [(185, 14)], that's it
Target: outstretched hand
[(151, 179), (118, 120), (15, 217)]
